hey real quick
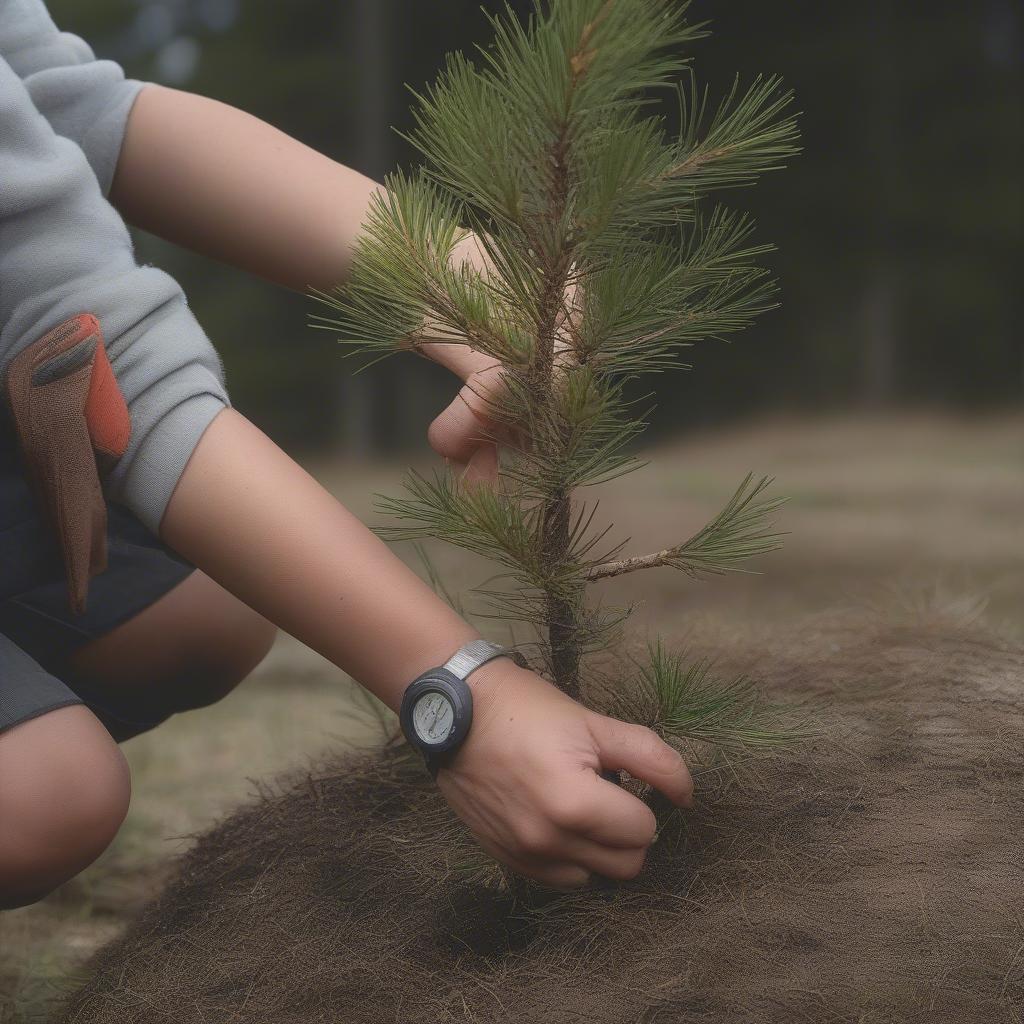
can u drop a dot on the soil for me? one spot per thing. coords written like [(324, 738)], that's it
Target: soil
[(872, 875)]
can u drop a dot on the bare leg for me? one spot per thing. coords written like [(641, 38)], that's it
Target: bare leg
[(187, 650), (64, 784), (64, 791)]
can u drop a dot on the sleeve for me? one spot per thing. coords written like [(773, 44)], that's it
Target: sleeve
[(84, 99), (64, 251)]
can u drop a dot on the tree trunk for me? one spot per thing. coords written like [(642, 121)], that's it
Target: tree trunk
[(362, 396), (880, 296)]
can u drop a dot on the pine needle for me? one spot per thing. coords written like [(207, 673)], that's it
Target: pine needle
[(687, 702)]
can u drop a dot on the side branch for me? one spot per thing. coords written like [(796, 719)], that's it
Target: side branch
[(624, 565), (740, 531), (439, 303)]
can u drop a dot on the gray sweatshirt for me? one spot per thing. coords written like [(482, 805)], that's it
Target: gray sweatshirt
[(65, 250)]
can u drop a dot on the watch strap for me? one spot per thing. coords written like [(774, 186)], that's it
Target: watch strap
[(472, 655)]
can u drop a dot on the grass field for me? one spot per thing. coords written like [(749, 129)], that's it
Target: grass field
[(888, 511)]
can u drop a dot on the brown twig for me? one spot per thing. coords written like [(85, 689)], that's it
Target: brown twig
[(624, 565)]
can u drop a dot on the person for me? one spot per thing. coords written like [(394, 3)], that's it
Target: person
[(214, 536)]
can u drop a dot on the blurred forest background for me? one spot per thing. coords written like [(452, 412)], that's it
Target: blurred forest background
[(897, 228)]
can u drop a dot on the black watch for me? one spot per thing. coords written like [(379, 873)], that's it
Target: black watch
[(437, 706)]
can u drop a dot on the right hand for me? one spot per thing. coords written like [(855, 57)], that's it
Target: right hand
[(527, 781)]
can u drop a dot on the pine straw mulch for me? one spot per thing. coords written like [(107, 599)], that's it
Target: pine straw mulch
[(874, 876)]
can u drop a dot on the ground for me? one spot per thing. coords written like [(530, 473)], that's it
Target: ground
[(884, 511)]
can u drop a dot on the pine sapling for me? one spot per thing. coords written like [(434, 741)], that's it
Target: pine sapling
[(604, 256)]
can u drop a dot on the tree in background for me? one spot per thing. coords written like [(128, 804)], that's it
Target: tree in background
[(604, 258)]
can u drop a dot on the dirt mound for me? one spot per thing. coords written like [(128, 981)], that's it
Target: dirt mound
[(874, 877)]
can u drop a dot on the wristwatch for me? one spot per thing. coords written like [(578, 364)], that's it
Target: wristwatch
[(437, 706)]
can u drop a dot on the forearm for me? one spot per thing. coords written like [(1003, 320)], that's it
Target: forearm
[(224, 183), (252, 519)]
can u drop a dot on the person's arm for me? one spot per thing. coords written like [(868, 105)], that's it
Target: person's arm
[(526, 779), (223, 183)]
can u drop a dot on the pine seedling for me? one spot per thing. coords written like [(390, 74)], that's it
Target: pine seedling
[(608, 256)]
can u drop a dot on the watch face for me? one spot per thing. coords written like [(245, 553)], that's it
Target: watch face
[(433, 717)]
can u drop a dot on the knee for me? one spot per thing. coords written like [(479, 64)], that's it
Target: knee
[(218, 663), (60, 812)]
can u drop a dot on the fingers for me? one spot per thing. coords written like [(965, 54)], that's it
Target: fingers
[(593, 825), (587, 825), (575, 859), (601, 812), (456, 356), (464, 426), (554, 874), (606, 861), (564, 876), (458, 431), (482, 466), (644, 755), (564, 860)]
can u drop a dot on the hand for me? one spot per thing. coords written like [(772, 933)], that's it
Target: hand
[(464, 433), (460, 433), (526, 781)]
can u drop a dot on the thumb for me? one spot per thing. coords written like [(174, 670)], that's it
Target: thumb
[(458, 431), (641, 752), (466, 424)]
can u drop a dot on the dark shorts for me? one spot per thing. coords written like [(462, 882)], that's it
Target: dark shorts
[(38, 632)]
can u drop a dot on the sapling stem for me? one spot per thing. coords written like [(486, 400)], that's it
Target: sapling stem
[(562, 625)]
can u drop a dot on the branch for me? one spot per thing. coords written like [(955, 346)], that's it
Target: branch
[(739, 531), (748, 135), (686, 702), (581, 60), (624, 565)]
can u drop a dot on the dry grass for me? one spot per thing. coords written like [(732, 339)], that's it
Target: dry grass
[(882, 511)]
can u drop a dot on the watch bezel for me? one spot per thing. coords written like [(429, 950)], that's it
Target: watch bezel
[(456, 690)]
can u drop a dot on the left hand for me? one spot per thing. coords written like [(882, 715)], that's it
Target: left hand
[(462, 434)]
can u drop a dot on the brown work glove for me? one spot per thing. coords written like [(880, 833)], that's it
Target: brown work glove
[(69, 411)]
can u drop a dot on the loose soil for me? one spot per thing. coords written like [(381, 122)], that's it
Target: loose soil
[(872, 875)]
